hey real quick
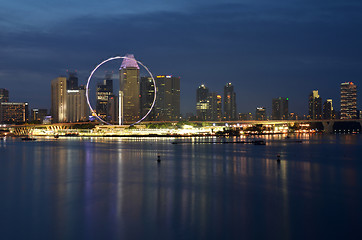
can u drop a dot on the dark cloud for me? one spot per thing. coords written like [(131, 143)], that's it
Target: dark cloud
[(264, 50)]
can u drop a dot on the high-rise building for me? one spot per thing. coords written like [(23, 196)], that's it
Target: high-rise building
[(129, 90), (103, 93), (4, 95), (315, 105), (229, 102), (147, 92), (72, 81), (260, 113), (11, 112), (59, 99), (167, 106), (38, 114), (328, 109), (202, 103), (280, 108), (77, 107), (215, 107), (348, 100)]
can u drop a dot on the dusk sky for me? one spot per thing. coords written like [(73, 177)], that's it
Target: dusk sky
[(266, 49)]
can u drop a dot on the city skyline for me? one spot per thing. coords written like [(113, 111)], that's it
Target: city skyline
[(269, 49)]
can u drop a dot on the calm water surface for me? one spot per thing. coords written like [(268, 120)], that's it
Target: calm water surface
[(113, 188)]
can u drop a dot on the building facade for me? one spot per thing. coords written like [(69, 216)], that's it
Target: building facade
[(348, 100), (77, 107), (229, 103), (11, 112), (260, 114), (38, 114), (202, 103), (129, 90), (4, 95), (328, 112), (59, 99), (315, 106), (280, 109), (104, 92)]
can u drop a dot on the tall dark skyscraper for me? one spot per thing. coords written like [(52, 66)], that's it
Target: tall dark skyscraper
[(4, 95), (103, 94), (328, 109), (348, 100), (315, 105), (72, 81), (215, 106), (229, 102), (167, 106), (280, 108), (202, 103), (129, 89), (147, 92)]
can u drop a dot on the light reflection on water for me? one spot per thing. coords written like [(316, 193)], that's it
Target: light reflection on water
[(113, 188)]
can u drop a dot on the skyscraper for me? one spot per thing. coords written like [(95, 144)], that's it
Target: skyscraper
[(72, 81), (77, 107), (147, 92), (103, 93), (315, 105), (38, 114), (328, 109), (129, 89), (202, 103), (348, 100), (59, 99), (167, 106), (4, 95), (215, 107), (280, 108), (229, 102)]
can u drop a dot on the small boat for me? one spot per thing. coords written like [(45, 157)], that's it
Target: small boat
[(259, 142), (27, 138), (56, 136)]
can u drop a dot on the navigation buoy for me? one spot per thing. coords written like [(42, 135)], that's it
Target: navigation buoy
[(158, 158), (278, 158)]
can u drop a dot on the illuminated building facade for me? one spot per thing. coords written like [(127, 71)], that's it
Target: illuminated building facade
[(260, 113), (11, 112), (129, 106), (229, 102), (215, 105), (348, 100), (315, 106), (77, 107), (59, 99), (202, 103), (38, 114), (4, 95), (167, 107), (328, 112), (104, 93), (280, 108)]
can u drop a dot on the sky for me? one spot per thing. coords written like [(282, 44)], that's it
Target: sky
[(266, 49)]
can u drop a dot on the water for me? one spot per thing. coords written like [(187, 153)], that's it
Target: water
[(104, 188)]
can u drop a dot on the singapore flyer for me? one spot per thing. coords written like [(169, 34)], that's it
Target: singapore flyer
[(93, 112)]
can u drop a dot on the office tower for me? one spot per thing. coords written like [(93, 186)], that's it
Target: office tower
[(129, 90), (72, 81), (348, 100), (38, 114), (280, 108), (103, 93), (245, 116), (77, 107), (260, 113), (112, 109), (59, 99), (147, 92), (167, 106), (315, 105), (215, 107), (229, 102), (202, 103), (328, 109), (4, 95), (11, 112)]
